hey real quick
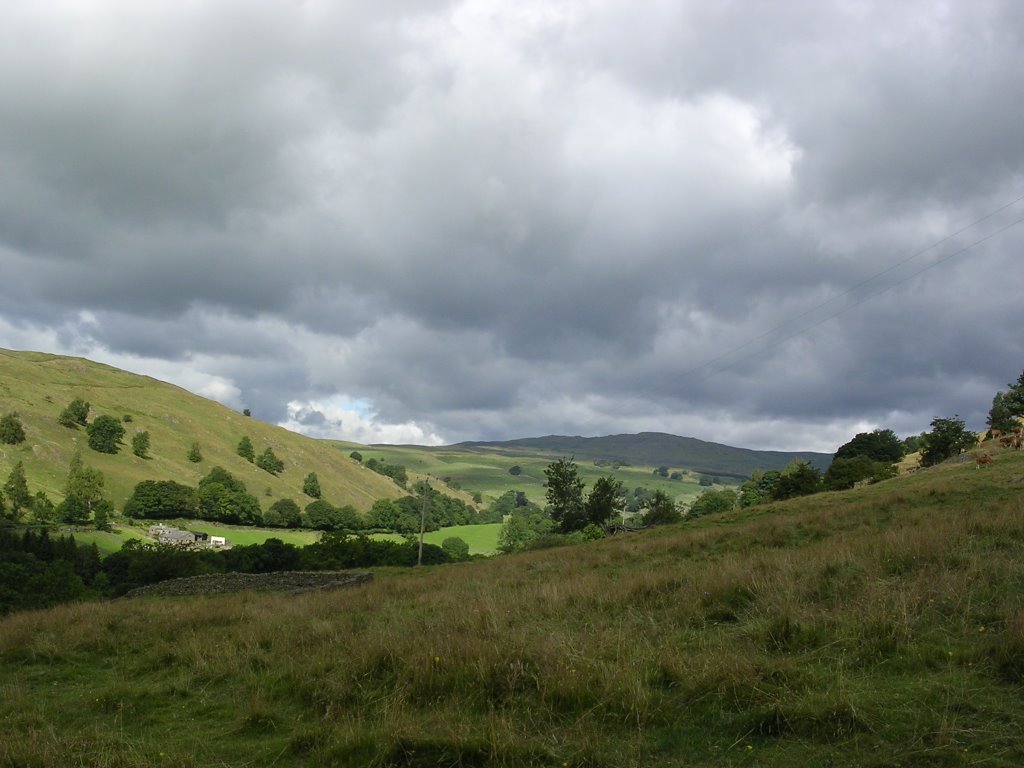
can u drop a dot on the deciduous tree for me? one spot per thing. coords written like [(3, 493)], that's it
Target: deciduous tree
[(311, 486), (76, 413), (947, 438), (564, 494), (140, 444), (245, 449), (105, 432)]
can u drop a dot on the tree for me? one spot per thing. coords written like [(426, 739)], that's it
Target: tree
[(844, 473), (1001, 414), (797, 479), (515, 470), (101, 514), (661, 471), (760, 488), (1015, 397), (565, 495), (711, 502), (311, 486), (661, 510), (524, 526), (948, 438), (225, 498), (16, 489), (605, 499), (880, 445), (43, 510), (357, 456), (105, 433), (245, 449), (269, 462), (140, 444), (83, 490), (76, 413), (195, 453), (283, 513), (162, 500), (456, 548), (246, 412), (11, 430)]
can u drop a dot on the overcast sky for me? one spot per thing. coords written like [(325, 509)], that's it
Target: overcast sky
[(433, 221)]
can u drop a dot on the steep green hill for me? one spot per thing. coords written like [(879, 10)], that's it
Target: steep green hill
[(38, 386), (652, 449), (879, 627)]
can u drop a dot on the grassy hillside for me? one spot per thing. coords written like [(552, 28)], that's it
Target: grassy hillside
[(38, 386), (488, 472), (653, 449), (878, 627)]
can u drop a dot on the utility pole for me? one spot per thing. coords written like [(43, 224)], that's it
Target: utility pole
[(423, 519)]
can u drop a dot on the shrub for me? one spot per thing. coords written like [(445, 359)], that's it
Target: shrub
[(76, 413), (11, 430), (105, 434), (269, 462), (140, 444)]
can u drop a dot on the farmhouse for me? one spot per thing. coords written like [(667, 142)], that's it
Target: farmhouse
[(188, 539)]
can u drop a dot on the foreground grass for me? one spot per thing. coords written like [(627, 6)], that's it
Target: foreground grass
[(883, 627)]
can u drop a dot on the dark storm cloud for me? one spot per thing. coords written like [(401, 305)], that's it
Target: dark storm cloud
[(413, 221)]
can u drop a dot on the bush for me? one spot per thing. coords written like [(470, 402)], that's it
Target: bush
[(11, 430), (76, 413), (140, 444), (105, 434), (269, 462), (245, 449), (456, 548), (195, 453)]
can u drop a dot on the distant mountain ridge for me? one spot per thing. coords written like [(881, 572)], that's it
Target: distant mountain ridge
[(653, 449)]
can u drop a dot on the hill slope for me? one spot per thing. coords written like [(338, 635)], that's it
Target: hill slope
[(38, 386), (879, 627), (653, 449)]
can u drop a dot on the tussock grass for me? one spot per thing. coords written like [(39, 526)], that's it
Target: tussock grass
[(879, 627)]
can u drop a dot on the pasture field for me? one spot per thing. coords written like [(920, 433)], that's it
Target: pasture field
[(489, 475), (482, 539), (880, 627)]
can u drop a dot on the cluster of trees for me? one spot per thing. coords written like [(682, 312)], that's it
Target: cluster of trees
[(396, 472), (224, 498), (1007, 408), (267, 461), (572, 515), (37, 571)]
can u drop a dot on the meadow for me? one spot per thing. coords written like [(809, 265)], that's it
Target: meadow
[(878, 627), (488, 474)]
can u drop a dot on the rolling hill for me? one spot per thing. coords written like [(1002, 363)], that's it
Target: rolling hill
[(878, 627), (38, 386), (652, 449)]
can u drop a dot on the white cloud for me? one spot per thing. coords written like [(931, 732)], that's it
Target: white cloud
[(356, 421)]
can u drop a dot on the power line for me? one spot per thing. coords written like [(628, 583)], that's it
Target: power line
[(851, 290)]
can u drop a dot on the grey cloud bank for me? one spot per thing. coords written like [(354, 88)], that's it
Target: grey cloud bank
[(429, 222)]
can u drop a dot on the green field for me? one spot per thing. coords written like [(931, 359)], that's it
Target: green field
[(482, 539), (488, 474), (881, 627)]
